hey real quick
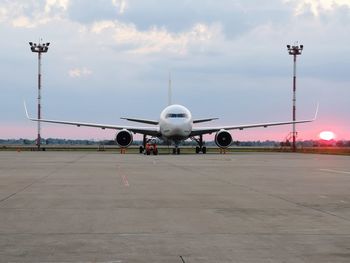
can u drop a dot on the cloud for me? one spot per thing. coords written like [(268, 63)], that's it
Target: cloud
[(54, 4), (90, 11), (232, 50), (31, 13), (3, 13), (155, 39), (121, 4), (318, 6), (22, 21), (79, 72), (103, 25)]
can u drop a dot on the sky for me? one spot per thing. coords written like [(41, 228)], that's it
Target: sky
[(228, 59)]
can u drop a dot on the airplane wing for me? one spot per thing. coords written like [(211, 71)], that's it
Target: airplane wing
[(205, 130), (153, 131)]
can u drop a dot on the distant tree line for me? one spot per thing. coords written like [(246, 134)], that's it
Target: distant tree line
[(267, 143)]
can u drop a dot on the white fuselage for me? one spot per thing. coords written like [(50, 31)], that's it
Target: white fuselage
[(175, 123)]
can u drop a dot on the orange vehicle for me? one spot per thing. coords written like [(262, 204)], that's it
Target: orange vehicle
[(151, 148)]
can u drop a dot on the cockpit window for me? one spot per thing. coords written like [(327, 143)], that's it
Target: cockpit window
[(176, 115)]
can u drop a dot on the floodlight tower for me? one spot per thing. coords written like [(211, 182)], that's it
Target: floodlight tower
[(39, 48), (294, 51)]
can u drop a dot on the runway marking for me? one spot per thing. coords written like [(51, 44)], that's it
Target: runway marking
[(123, 177), (335, 171), (125, 181)]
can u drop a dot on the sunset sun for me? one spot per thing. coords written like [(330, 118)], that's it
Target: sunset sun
[(327, 135)]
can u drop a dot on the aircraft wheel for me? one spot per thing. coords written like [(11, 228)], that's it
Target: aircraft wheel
[(141, 149), (204, 150), (174, 151), (197, 149), (178, 151)]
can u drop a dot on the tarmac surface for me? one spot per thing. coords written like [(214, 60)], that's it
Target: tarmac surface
[(107, 207)]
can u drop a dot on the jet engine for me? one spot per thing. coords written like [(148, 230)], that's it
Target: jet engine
[(223, 139), (124, 138)]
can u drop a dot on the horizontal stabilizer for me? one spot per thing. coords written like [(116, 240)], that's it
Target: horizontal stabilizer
[(204, 120), (152, 122)]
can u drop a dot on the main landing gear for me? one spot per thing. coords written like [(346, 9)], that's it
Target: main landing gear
[(143, 146), (200, 147)]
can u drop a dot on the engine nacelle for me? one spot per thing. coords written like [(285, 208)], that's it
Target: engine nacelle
[(124, 138), (223, 139)]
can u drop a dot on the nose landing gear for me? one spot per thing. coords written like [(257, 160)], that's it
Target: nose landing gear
[(176, 150)]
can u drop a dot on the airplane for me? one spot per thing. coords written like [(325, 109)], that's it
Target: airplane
[(175, 125)]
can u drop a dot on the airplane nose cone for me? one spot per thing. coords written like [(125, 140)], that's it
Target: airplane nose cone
[(177, 130), (180, 129)]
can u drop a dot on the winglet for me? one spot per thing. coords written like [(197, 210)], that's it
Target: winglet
[(318, 104), (25, 108)]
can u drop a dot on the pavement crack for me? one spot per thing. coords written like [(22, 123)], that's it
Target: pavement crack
[(285, 200), (27, 186), (41, 178)]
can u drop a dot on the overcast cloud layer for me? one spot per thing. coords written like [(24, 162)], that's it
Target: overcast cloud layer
[(228, 58)]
